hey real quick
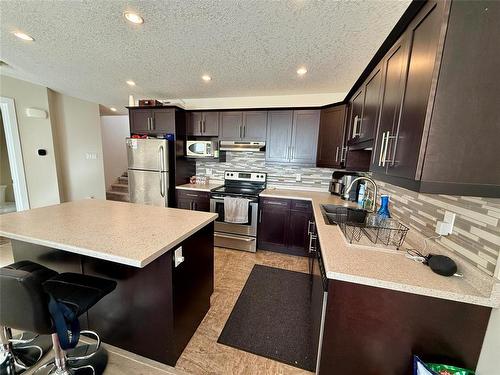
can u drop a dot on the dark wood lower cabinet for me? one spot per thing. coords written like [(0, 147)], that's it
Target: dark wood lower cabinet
[(284, 226), (371, 330), (193, 200)]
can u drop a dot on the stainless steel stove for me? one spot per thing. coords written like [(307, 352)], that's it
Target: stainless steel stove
[(238, 184)]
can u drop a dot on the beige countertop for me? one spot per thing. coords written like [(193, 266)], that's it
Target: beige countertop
[(389, 269), (200, 187), (120, 232)]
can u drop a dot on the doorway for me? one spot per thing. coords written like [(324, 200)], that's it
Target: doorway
[(13, 188)]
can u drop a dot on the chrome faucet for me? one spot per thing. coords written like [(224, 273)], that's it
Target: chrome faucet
[(375, 189)]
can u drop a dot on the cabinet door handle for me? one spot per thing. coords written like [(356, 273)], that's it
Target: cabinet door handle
[(191, 195), (384, 156), (149, 123), (260, 216), (337, 154), (382, 145), (356, 130), (204, 126), (152, 123), (244, 131), (343, 154), (275, 203), (194, 206), (292, 151)]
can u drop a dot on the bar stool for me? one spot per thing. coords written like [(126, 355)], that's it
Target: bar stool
[(19, 353), (45, 307)]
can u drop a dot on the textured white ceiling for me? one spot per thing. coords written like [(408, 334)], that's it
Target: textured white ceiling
[(250, 48)]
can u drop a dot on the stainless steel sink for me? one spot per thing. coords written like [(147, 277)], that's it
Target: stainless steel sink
[(334, 214)]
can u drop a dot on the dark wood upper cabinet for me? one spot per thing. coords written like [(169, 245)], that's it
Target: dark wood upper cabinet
[(203, 124), (393, 76), (292, 136), (424, 34), (356, 115), (331, 142), (243, 126), (140, 121), (254, 125), (152, 121), (304, 136), (371, 107), (163, 121), (279, 136), (463, 144), (231, 126)]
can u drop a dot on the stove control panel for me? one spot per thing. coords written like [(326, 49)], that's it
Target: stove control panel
[(245, 176)]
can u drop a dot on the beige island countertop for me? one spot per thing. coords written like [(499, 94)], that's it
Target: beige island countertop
[(389, 269), (125, 233)]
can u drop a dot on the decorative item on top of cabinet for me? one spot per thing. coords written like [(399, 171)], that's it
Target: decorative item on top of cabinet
[(331, 140), (243, 126), (193, 200), (292, 136), (284, 225), (203, 124)]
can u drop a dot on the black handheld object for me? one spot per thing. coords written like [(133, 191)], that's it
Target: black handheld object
[(442, 265)]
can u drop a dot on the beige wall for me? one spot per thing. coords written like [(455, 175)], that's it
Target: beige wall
[(77, 134), (35, 133), (114, 130), (5, 175)]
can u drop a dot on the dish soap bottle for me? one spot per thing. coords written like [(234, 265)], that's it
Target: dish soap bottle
[(361, 194), (383, 211)]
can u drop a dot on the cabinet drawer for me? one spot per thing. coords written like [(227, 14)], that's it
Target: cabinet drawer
[(276, 202), (301, 205), (193, 194)]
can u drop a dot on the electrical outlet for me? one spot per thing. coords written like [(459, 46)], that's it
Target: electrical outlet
[(298, 177), (445, 227), (209, 171)]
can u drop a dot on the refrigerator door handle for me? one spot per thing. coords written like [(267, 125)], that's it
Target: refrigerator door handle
[(161, 158)]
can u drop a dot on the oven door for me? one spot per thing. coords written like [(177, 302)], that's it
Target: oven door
[(246, 229)]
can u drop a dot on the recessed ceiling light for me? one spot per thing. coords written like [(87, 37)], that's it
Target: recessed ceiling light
[(130, 83), (134, 18), (301, 71), (206, 78), (112, 109), (23, 36)]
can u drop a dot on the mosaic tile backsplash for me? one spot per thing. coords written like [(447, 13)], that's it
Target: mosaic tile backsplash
[(278, 175), (476, 234)]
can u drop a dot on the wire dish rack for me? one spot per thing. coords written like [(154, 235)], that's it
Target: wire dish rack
[(356, 223)]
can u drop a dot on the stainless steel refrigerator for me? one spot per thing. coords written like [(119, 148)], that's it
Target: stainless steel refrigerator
[(148, 171)]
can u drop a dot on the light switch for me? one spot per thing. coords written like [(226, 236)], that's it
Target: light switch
[(91, 155), (298, 177)]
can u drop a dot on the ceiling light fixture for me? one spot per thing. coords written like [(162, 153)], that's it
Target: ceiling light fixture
[(301, 71), (23, 36), (134, 18), (206, 78), (130, 83), (113, 109)]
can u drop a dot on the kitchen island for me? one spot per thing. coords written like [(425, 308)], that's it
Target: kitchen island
[(161, 258)]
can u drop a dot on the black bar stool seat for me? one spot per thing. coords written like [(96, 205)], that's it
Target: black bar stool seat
[(37, 298), (79, 292)]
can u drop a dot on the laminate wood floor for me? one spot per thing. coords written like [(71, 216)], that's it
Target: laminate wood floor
[(204, 355)]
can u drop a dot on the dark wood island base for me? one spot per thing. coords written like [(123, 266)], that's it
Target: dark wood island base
[(155, 310)]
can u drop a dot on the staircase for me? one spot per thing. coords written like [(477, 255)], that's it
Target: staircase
[(119, 190)]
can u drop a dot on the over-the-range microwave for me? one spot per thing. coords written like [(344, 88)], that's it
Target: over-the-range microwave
[(202, 149)]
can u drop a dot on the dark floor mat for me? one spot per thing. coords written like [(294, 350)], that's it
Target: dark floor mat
[(272, 318)]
